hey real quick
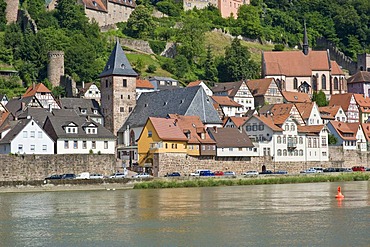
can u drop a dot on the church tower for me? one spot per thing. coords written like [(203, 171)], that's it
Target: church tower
[(305, 40), (118, 89)]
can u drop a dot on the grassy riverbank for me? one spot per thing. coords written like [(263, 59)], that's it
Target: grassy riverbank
[(211, 182)]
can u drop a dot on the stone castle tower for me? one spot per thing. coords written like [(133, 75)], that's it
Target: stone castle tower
[(11, 10), (363, 62), (55, 67), (117, 89)]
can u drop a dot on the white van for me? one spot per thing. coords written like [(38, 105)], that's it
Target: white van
[(318, 169), (83, 175), (197, 172)]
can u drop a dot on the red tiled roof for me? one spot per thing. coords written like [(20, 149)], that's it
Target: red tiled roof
[(167, 129), (95, 5), (38, 88), (329, 112), (361, 100), (366, 129), (295, 63), (268, 121), (359, 77), (238, 121), (341, 99), (260, 86), (335, 69), (225, 101), (296, 97), (344, 128), (194, 83), (124, 2), (142, 83), (312, 129), (305, 109)]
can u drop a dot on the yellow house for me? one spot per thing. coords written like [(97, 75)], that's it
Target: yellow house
[(160, 135)]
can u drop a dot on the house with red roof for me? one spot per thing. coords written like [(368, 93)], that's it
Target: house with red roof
[(363, 105), (304, 71), (332, 113), (203, 85), (143, 86), (349, 135), (42, 94), (309, 112), (264, 91), (234, 122), (229, 107), (348, 103), (295, 97)]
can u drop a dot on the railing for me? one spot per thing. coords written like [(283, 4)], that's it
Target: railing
[(292, 145)]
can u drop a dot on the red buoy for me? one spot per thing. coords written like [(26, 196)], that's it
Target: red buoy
[(339, 195)]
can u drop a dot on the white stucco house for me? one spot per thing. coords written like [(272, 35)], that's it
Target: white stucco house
[(79, 136), (25, 136)]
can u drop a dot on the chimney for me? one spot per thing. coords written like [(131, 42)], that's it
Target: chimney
[(50, 108), (83, 84)]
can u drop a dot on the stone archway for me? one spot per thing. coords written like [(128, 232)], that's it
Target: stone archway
[(263, 168)]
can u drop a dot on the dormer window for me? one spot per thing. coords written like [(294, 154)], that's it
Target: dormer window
[(83, 111), (91, 130), (71, 130), (94, 3), (95, 111), (122, 66)]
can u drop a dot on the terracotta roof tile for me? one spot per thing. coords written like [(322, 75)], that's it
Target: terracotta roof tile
[(238, 121), (335, 69), (344, 130), (95, 5), (362, 101), (194, 83), (260, 86), (359, 77), (38, 88), (342, 100), (329, 112), (129, 3), (310, 129), (295, 63), (266, 119), (167, 129), (225, 101), (296, 97), (142, 83), (366, 129), (305, 109)]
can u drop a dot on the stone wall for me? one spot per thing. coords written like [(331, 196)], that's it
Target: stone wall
[(37, 167), (167, 163), (140, 45), (11, 10)]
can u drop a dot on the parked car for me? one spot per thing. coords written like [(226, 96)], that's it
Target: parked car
[(173, 174), (55, 176), (206, 174), (266, 172), (250, 173), (219, 173), (329, 169), (96, 176), (358, 169), (142, 175), (83, 175), (229, 174), (69, 176), (281, 172), (197, 172), (318, 169), (118, 175), (368, 169), (311, 170)]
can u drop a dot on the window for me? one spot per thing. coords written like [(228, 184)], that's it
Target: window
[(128, 96), (286, 127), (150, 133), (39, 134), (336, 84), (309, 142), (32, 148), (292, 127), (83, 111), (124, 84), (130, 109), (93, 144), (254, 127), (24, 134), (231, 149), (296, 152), (284, 139), (301, 152), (32, 135), (121, 109), (284, 152), (324, 154), (279, 139), (75, 144), (295, 83), (20, 148), (106, 83), (279, 152), (44, 148), (249, 128), (314, 142), (121, 96), (323, 82), (260, 127), (300, 140), (84, 144), (323, 141), (66, 144), (105, 144)]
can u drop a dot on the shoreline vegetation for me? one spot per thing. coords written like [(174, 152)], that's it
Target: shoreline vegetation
[(184, 182)]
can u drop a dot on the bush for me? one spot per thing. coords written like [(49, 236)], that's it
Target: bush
[(151, 68), (157, 46), (279, 47)]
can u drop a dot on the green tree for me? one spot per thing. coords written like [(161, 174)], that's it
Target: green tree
[(71, 15), (237, 64), (249, 21), (210, 67), (140, 24), (169, 7), (320, 98), (332, 140)]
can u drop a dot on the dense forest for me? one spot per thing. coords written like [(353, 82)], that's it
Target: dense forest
[(346, 23)]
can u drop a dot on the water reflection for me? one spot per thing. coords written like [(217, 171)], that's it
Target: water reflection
[(265, 215)]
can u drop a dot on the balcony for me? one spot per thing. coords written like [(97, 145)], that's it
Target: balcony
[(292, 145)]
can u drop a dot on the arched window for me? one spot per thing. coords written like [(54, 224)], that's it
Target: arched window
[(292, 127), (336, 83), (323, 82), (279, 139), (295, 83), (314, 83), (279, 152), (300, 140), (284, 152), (300, 152), (296, 152)]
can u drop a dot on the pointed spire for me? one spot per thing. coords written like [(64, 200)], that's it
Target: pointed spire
[(305, 40), (118, 63)]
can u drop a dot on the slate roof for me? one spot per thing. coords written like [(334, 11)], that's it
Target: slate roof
[(188, 101), (15, 105), (295, 63), (80, 103), (259, 87), (118, 64), (225, 101), (359, 77), (167, 130), (17, 127), (38, 114), (296, 97), (55, 127), (230, 137), (341, 99), (86, 87), (230, 87)]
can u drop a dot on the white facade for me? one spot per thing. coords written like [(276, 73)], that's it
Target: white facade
[(236, 152), (315, 117), (31, 139), (85, 146), (92, 92), (206, 89), (245, 98), (230, 111)]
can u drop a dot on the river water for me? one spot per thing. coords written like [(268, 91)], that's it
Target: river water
[(263, 215)]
